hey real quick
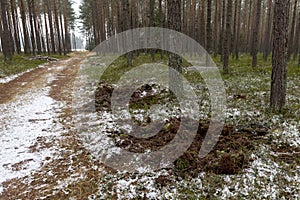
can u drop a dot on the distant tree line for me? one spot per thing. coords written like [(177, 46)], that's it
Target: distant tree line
[(35, 27), (221, 26)]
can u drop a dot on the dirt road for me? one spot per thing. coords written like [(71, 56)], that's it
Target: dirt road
[(40, 155)]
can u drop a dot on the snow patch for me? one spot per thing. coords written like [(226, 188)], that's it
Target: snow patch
[(30, 116)]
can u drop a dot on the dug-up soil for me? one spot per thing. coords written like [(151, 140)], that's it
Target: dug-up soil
[(230, 155)]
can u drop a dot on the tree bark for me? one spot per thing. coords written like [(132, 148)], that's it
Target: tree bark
[(208, 28), (202, 24), (249, 35), (126, 25), (238, 31), (267, 39), (255, 35), (24, 26), (53, 46), (297, 38), (175, 61), (14, 14), (222, 37), (161, 22), (6, 37), (30, 12), (151, 23), (46, 28), (58, 32), (36, 30), (279, 56), (292, 32), (216, 28), (62, 27), (227, 37)]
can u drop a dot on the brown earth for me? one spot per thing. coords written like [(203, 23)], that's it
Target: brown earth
[(230, 155), (72, 160)]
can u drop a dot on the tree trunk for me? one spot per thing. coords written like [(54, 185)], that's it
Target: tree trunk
[(53, 46), (151, 24), (15, 25), (24, 26), (36, 30), (192, 19), (161, 22), (227, 38), (208, 28), (222, 37), (238, 31), (255, 35), (46, 28), (216, 28), (62, 27), (279, 56), (6, 37), (40, 26), (292, 32), (57, 27), (175, 61), (30, 12), (297, 38), (248, 44), (126, 25), (267, 39), (202, 24), (67, 33), (234, 33)]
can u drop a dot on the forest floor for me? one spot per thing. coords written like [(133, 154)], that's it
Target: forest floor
[(43, 156)]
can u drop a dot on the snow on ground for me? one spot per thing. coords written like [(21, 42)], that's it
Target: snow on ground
[(266, 177), (23, 120), (12, 77)]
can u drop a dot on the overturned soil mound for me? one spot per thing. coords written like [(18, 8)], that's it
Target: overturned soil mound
[(230, 155)]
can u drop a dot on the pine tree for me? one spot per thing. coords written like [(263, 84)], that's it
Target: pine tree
[(6, 37), (255, 35), (279, 54), (227, 38), (175, 61)]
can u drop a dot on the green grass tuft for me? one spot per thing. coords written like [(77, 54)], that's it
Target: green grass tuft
[(20, 63)]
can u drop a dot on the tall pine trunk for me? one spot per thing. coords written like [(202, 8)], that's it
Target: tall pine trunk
[(32, 34), (227, 38), (49, 8), (46, 28), (36, 29), (126, 25), (24, 26), (14, 14), (238, 30), (67, 33), (255, 35), (208, 27), (267, 39), (292, 32), (6, 37), (279, 55), (175, 61), (151, 24), (58, 32), (223, 34)]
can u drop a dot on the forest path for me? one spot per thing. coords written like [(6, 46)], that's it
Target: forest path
[(40, 154)]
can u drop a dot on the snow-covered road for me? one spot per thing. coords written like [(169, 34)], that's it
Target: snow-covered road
[(26, 117)]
